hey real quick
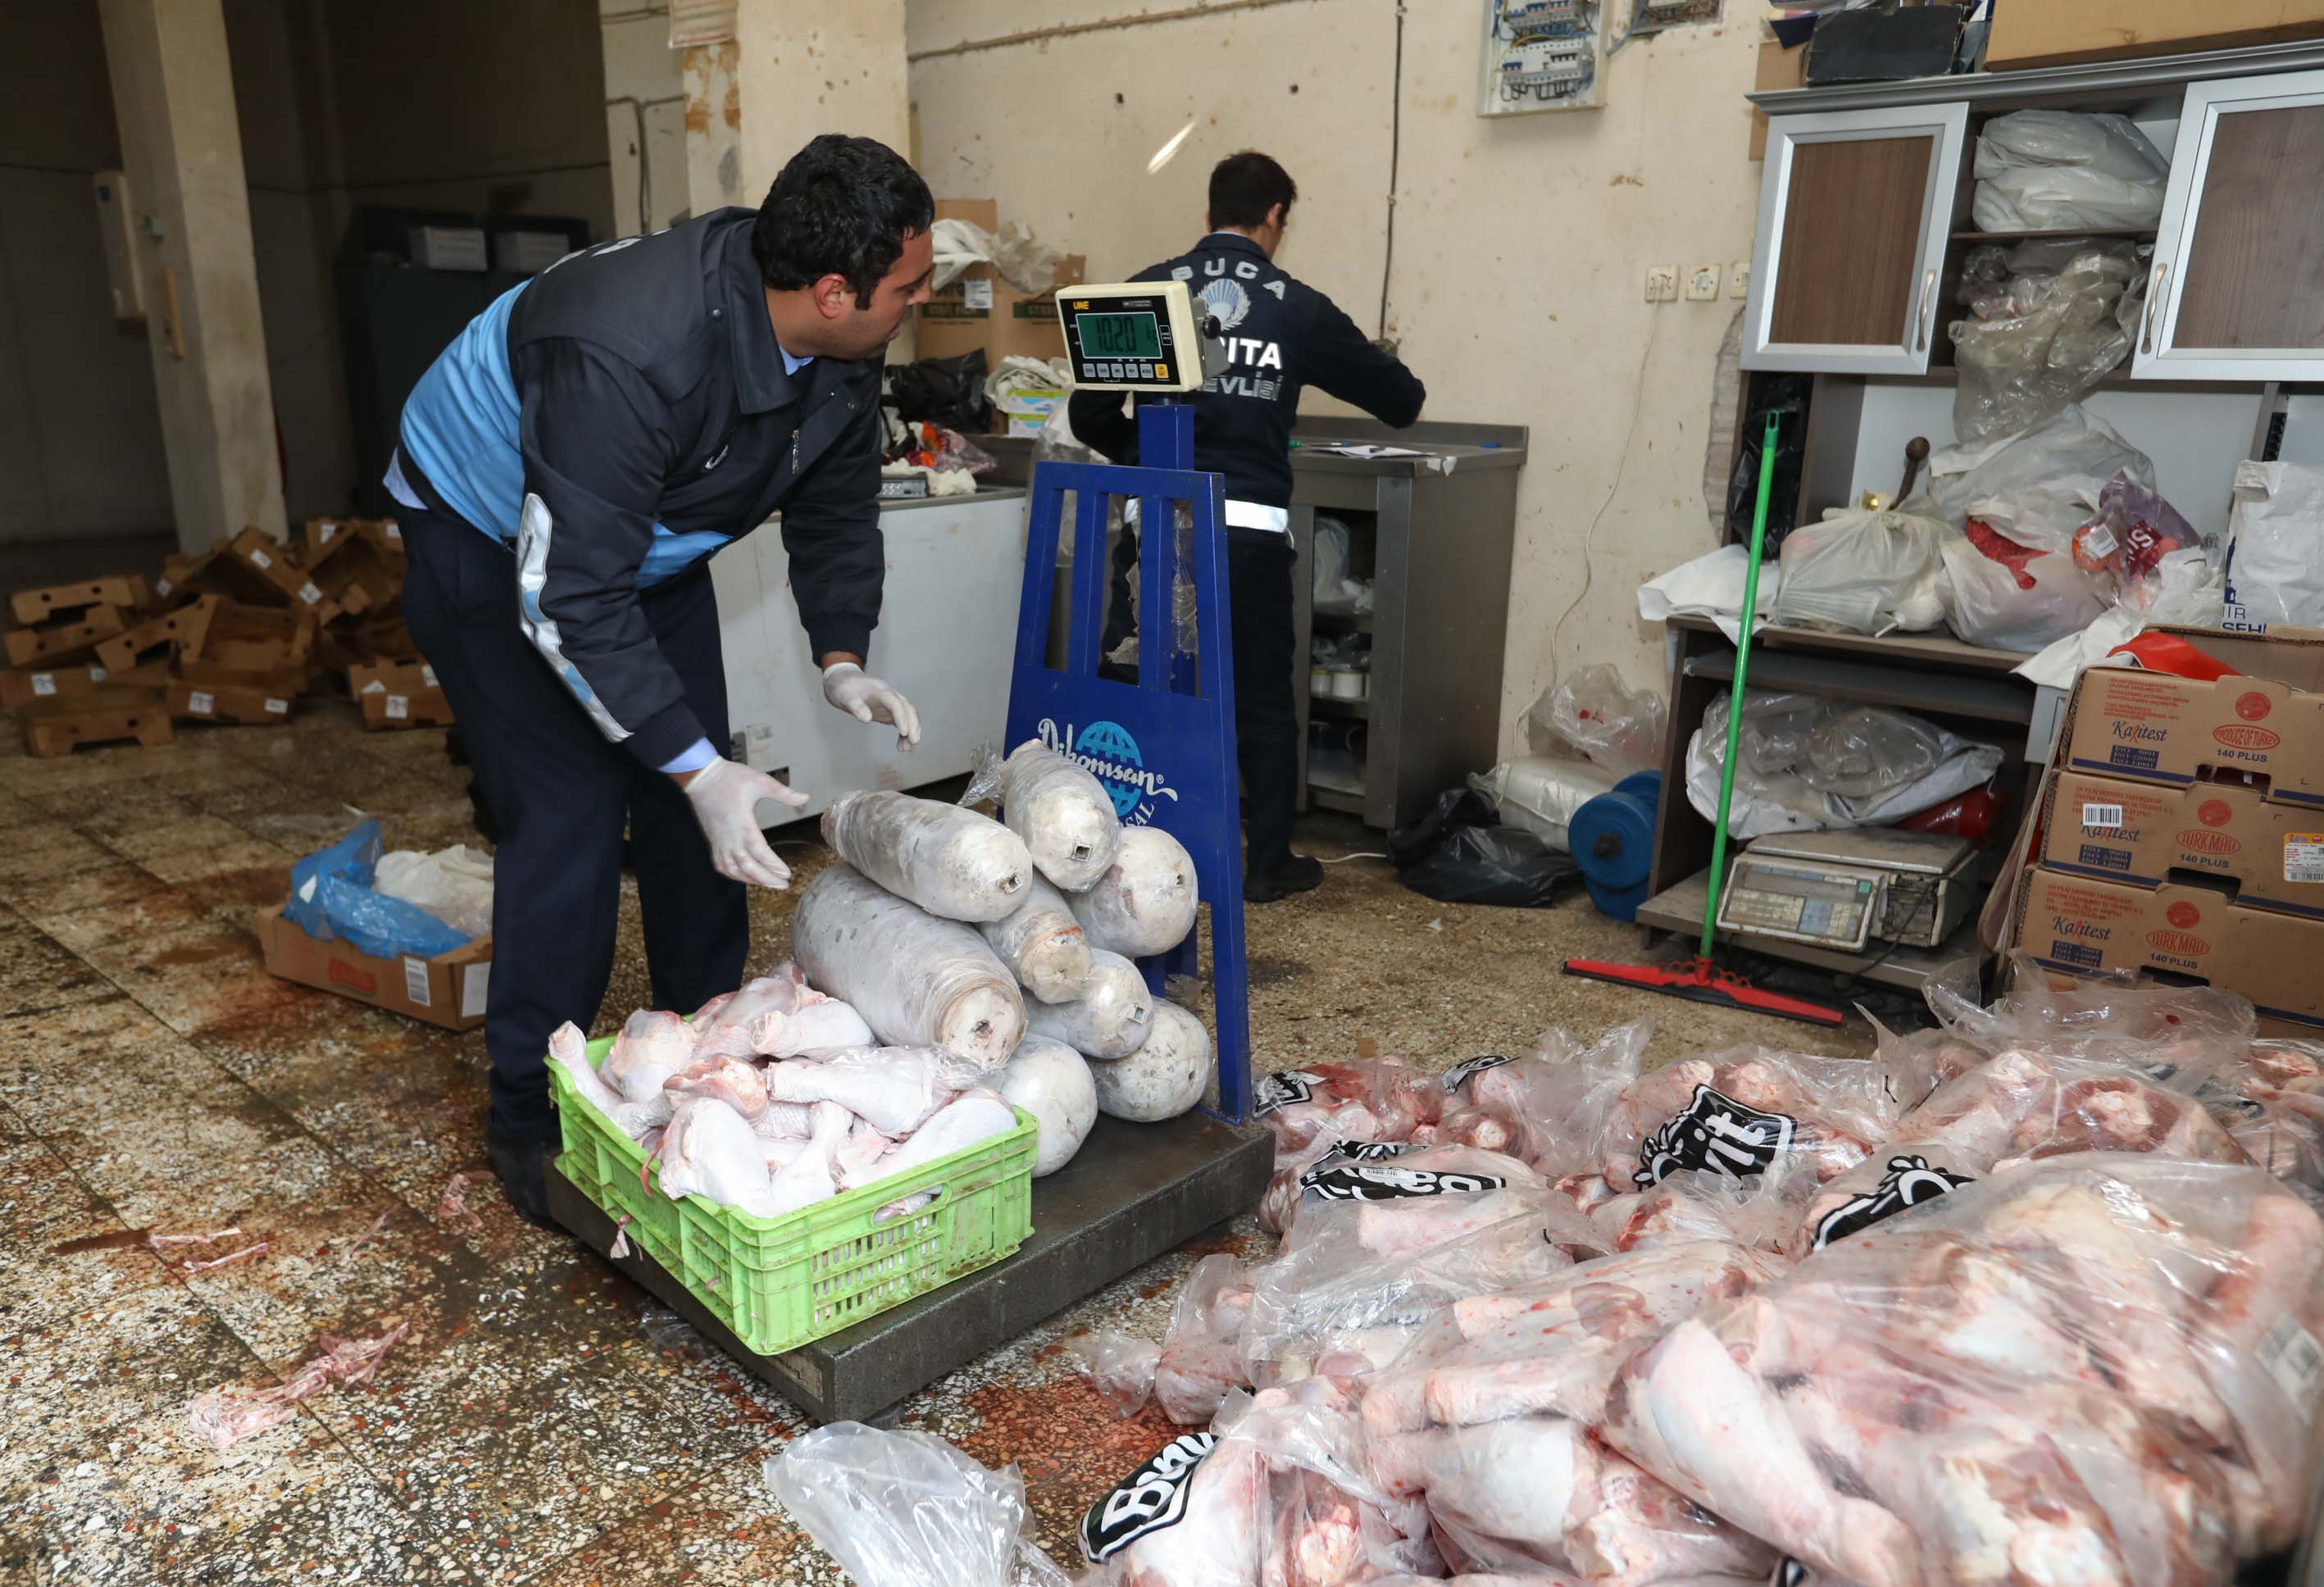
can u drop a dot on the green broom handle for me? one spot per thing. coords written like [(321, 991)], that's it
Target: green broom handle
[(1735, 691)]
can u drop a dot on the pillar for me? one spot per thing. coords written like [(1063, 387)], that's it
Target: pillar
[(792, 69), (181, 150)]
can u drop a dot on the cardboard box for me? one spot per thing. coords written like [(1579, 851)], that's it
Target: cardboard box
[(2267, 723), (399, 694), (1025, 324), (1778, 69), (185, 629), (281, 566), (59, 726), (958, 317), (64, 641), (228, 702), (25, 684), (2266, 854), (2090, 927), (448, 990), (125, 590), (2059, 33)]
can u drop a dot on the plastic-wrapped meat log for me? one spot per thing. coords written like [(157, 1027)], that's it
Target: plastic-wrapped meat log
[(1201, 1356), (1052, 1081), (1166, 1077), (954, 863), (895, 1089), (1042, 943), (1064, 815), (1110, 1018), (917, 981), (2091, 1368), (1144, 902)]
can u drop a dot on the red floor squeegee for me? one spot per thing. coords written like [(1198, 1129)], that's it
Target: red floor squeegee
[(1701, 979)]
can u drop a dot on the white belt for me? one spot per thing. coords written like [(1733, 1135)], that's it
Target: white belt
[(1239, 516)]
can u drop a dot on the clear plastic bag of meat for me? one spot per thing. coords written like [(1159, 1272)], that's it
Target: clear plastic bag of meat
[(1760, 1212), (1487, 1420), (2271, 1100), (1917, 1062), (1319, 1310), (1399, 1207), (1201, 1358), (1741, 1111), (902, 1509), (2174, 1035), (1548, 1107), (1314, 1110), (1274, 1494), (1117, 1367), (2088, 1369)]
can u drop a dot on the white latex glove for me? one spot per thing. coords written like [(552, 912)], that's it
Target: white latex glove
[(728, 799), (868, 700)]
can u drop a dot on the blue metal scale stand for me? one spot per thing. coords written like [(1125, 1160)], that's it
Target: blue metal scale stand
[(1165, 746)]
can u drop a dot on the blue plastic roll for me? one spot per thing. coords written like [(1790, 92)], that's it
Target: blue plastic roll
[(1612, 837)]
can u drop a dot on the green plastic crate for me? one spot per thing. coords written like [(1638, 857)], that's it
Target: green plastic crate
[(779, 1283)]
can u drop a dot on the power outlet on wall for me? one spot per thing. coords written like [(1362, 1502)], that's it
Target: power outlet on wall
[(1701, 282), (1738, 280), (1662, 283)]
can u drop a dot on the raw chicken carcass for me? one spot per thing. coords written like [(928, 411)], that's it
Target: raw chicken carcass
[(653, 1046), (738, 1083), (570, 1050), (854, 1162), (1202, 1354), (1188, 1517), (708, 1150), (808, 1178), (895, 1089), (718, 1024), (968, 1117)]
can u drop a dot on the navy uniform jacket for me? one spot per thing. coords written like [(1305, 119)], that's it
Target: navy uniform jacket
[(622, 415), (1281, 337)]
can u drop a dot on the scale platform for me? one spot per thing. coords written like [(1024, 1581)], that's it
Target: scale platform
[(1679, 908), (1133, 1191)]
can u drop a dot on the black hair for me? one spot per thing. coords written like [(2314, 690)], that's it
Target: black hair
[(843, 207), (1244, 187)]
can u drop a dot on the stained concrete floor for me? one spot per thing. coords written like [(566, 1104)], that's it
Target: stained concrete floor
[(538, 1423)]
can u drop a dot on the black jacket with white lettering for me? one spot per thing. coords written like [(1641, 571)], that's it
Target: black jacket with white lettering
[(1281, 337), (655, 422)]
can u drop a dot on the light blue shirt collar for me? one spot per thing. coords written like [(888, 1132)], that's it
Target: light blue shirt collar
[(792, 365)]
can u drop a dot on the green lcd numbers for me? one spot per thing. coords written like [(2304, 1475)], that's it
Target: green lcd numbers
[(1121, 335)]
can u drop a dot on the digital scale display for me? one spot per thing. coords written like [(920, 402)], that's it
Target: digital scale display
[(1121, 335), (1131, 338)]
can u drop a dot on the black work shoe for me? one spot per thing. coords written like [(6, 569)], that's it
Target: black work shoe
[(523, 1169), (1299, 873)]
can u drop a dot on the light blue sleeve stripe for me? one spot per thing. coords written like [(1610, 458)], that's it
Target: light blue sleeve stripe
[(693, 758)]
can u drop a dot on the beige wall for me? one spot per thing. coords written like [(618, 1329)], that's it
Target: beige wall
[(645, 118), (1521, 242), (807, 67)]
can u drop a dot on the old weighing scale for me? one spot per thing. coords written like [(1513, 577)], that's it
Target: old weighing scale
[(1163, 748)]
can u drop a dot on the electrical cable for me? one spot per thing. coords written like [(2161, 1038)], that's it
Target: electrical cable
[(1394, 156), (1588, 538)]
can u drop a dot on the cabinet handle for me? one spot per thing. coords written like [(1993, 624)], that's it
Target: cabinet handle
[(1928, 307), (2154, 290)]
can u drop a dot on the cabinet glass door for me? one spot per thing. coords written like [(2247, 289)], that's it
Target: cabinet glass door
[(1855, 208), (2237, 287)]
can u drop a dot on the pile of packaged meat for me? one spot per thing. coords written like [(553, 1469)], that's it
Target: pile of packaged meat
[(2033, 1298), (902, 1030)]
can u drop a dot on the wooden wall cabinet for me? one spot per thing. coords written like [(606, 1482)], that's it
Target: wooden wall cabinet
[(2237, 287), (1856, 209)]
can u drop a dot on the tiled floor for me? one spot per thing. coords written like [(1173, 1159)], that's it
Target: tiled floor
[(154, 1080)]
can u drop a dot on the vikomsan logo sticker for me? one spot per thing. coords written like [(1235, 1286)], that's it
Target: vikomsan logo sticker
[(1149, 1499), (1107, 752)]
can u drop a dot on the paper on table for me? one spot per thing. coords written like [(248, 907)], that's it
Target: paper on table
[(1362, 449)]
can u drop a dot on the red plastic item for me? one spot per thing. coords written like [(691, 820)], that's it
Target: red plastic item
[(2167, 652), (1700, 981), (2002, 549), (1971, 815)]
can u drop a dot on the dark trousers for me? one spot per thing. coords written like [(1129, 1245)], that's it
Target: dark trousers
[(560, 794), (1267, 718)]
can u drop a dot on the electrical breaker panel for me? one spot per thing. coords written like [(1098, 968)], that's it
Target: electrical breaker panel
[(1542, 55)]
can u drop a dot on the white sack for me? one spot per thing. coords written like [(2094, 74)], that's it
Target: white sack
[(2275, 548)]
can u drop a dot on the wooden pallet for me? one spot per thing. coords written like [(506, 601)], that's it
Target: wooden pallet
[(59, 726), (125, 590), (228, 702), (186, 628), (61, 641)]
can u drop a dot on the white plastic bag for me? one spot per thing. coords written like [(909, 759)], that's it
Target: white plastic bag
[(1593, 712), (1805, 763), (903, 1509), (1711, 585), (1864, 572), (2047, 324), (2275, 548), (2038, 485), (1020, 258), (2021, 600), (1336, 587), (452, 884), (2058, 169), (1540, 793)]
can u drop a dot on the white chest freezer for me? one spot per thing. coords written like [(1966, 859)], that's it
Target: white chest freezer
[(947, 637)]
